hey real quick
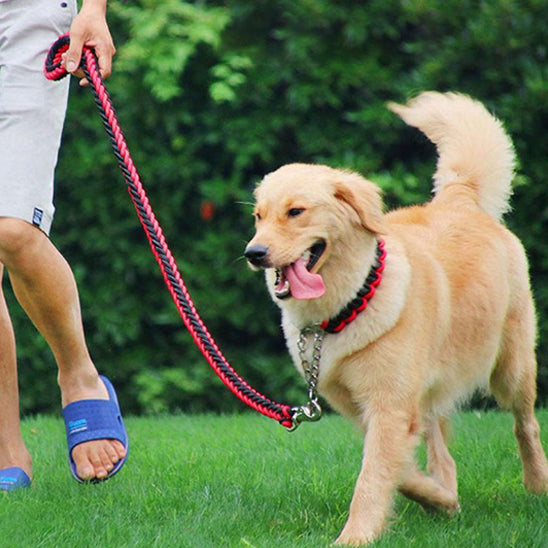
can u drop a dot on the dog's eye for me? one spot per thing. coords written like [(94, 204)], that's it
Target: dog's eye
[(295, 211)]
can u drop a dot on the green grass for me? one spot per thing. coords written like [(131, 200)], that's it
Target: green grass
[(243, 481)]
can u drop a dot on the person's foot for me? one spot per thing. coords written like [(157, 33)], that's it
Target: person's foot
[(14, 458), (13, 479), (96, 458)]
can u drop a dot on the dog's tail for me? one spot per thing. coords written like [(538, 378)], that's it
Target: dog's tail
[(473, 148)]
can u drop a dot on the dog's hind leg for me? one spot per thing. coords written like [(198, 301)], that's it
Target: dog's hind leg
[(513, 383), (535, 467)]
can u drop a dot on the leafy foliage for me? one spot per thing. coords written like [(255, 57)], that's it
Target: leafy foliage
[(213, 95)]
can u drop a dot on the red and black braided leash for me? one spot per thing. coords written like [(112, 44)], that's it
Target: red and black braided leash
[(54, 70)]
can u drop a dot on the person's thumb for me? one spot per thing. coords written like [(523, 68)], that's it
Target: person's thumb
[(71, 65), (74, 53)]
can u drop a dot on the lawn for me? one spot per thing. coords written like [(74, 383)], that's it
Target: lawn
[(243, 481)]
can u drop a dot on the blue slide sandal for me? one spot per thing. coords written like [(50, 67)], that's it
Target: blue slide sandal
[(87, 420), (13, 478)]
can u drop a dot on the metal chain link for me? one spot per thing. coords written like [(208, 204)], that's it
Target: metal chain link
[(312, 410)]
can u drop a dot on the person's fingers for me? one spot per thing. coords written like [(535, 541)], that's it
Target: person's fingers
[(105, 65), (104, 56), (104, 59)]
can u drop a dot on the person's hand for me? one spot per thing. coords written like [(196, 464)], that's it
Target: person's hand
[(90, 28)]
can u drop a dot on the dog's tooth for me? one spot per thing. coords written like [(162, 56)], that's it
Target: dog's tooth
[(283, 291)]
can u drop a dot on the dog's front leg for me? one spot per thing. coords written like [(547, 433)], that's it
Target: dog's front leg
[(389, 443)]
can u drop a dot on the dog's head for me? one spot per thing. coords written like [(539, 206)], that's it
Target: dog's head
[(305, 217)]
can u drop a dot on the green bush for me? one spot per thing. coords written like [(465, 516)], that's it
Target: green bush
[(213, 95)]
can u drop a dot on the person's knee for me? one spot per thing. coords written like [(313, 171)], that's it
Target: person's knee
[(16, 236)]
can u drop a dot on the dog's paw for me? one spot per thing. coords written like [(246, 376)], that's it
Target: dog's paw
[(355, 537), (449, 510), (453, 511), (537, 485)]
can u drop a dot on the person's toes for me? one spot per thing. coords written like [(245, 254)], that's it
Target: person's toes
[(85, 460), (106, 461), (84, 468), (120, 449), (112, 455), (100, 470), (95, 459)]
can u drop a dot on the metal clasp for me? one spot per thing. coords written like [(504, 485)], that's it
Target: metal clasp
[(311, 412)]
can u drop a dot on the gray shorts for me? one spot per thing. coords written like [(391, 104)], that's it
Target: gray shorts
[(32, 108)]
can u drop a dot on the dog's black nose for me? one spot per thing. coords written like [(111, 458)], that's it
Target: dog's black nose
[(256, 254)]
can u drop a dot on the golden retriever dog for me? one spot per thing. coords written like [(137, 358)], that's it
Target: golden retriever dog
[(415, 309)]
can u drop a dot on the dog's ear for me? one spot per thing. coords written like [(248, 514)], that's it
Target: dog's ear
[(364, 197)]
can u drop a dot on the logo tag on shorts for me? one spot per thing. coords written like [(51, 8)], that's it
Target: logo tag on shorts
[(37, 216)]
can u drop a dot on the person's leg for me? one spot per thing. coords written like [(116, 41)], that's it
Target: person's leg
[(32, 112), (45, 287), (12, 448)]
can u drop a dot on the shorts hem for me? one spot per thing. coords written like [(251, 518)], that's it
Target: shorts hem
[(37, 217)]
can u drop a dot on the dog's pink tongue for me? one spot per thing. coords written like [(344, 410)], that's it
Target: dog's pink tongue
[(303, 284)]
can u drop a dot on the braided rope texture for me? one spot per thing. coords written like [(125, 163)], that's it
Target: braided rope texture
[(54, 70)]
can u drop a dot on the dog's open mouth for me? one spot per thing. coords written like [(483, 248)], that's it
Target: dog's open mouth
[(296, 280)]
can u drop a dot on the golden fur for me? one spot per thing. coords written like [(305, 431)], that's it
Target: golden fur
[(453, 312)]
